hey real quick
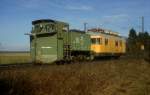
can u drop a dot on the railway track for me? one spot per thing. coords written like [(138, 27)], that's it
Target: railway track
[(96, 61), (15, 65)]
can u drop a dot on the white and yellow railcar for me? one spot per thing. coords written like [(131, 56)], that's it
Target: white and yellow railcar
[(104, 44)]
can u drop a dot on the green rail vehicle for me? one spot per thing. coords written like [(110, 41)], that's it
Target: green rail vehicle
[(52, 41)]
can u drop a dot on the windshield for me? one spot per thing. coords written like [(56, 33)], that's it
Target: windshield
[(43, 28)]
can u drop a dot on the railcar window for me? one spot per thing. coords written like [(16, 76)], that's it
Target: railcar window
[(116, 43), (96, 40), (93, 40), (106, 41), (49, 28), (65, 29), (36, 28)]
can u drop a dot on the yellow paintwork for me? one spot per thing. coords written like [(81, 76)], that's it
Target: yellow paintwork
[(111, 46)]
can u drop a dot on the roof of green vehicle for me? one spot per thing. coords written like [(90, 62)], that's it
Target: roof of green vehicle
[(47, 21)]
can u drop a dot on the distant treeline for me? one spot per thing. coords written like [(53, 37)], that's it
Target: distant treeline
[(14, 51), (138, 44)]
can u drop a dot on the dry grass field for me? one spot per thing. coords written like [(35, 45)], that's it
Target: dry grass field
[(112, 77), (14, 57)]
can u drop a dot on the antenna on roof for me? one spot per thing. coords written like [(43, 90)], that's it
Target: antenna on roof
[(85, 27), (142, 23)]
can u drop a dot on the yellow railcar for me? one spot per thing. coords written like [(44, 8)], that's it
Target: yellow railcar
[(105, 44)]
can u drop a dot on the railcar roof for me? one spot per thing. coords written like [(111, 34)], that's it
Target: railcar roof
[(47, 20), (104, 34)]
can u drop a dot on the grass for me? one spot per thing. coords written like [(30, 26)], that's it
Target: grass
[(14, 57), (113, 77)]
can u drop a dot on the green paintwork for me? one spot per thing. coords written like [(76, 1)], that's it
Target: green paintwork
[(46, 49), (52, 41), (47, 41), (80, 41)]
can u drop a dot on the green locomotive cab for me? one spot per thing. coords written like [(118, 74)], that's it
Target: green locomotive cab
[(46, 41), (45, 26)]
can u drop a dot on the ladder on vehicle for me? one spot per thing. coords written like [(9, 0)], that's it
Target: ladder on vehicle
[(67, 52)]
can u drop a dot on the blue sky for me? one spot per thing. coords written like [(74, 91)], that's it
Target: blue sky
[(116, 15)]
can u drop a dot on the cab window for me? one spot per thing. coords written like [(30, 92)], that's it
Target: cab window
[(36, 28), (49, 28), (99, 40), (116, 43), (93, 40), (96, 40), (106, 41), (65, 29)]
